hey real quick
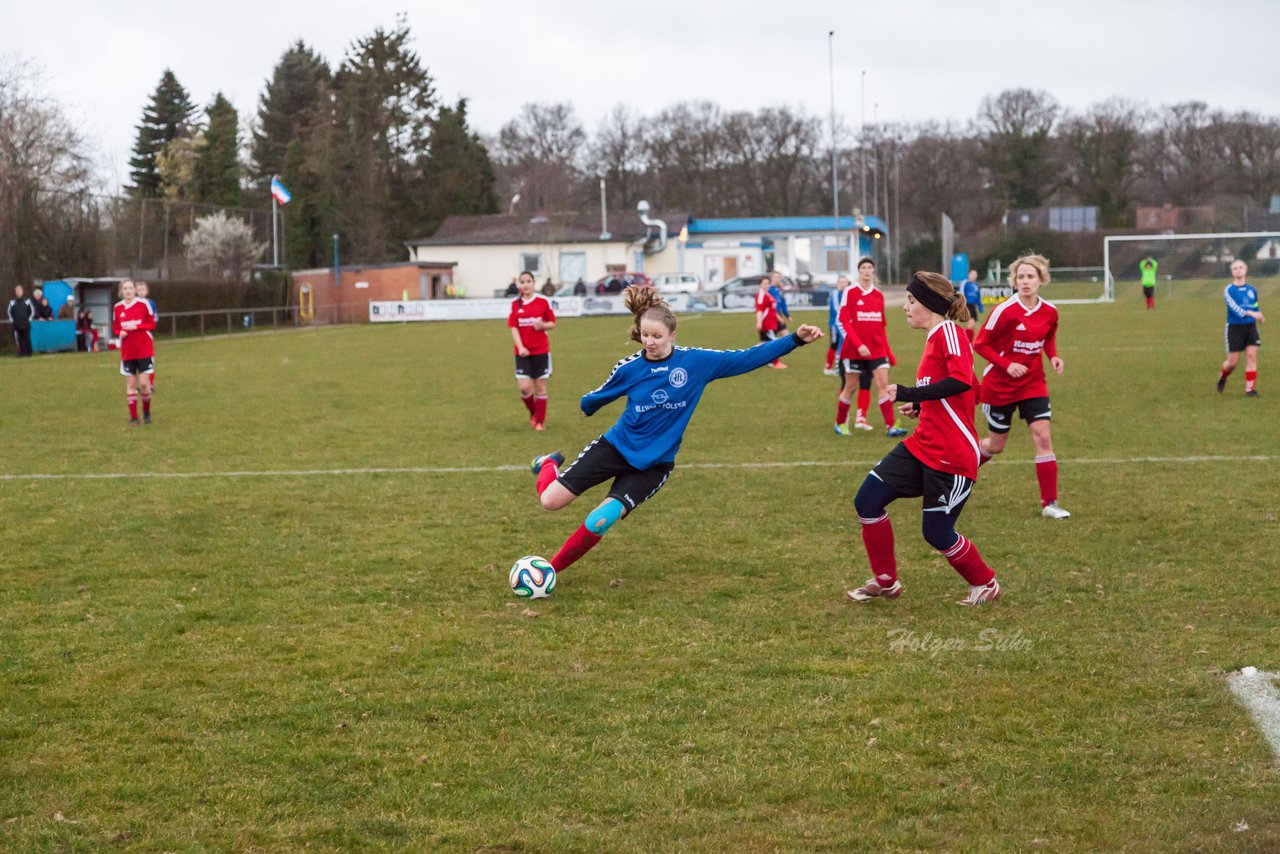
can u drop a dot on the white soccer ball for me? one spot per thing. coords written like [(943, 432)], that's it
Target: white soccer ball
[(532, 577)]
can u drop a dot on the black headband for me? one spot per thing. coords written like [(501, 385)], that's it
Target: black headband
[(928, 297)]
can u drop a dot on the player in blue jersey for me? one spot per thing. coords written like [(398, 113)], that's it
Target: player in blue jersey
[(973, 302), (775, 291), (833, 325), (1243, 317), (662, 384)]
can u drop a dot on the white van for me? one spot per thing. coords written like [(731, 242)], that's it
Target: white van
[(676, 283)]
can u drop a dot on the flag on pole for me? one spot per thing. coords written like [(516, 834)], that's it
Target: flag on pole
[(278, 192)]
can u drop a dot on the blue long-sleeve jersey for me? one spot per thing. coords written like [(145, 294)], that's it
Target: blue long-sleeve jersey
[(1240, 299), (833, 318), (973, 294), (661, 395)]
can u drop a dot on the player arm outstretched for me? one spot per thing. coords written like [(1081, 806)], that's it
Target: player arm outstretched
[(731, 363)]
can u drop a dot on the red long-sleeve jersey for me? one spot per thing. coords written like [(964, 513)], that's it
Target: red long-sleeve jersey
[(132, 323)]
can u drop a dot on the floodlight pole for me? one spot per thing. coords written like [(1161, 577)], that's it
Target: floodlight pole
[(862, 138), (835, 177)]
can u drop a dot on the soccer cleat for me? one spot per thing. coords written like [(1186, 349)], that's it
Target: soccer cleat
[(1222, 384), (146, 418), (778, 365), (133, 422), (988, 592), (536, 465), (894, 432), (873, 590), (1253, 393), (843, 430), (861, 424), (1053, 511)]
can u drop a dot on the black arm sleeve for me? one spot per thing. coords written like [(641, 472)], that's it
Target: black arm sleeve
[(933, 391), (800, 342)]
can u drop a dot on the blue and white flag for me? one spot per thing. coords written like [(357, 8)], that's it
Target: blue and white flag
[(278, 192)]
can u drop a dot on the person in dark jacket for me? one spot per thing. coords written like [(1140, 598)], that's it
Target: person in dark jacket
[(20, 313), (41, 310)]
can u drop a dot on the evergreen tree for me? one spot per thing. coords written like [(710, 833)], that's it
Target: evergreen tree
[(459, 175), (164, 119), (296, 99), (216, 175), (384, 106)]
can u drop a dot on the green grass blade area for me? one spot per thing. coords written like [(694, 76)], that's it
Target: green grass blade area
[(298, 633)]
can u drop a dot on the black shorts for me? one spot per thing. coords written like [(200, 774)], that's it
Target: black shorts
[(600, 461), (533, 367), (1241, 335), (1148, 290), (942, 491), (863, 366), (768, 334), (134, 367), (1000, 418)]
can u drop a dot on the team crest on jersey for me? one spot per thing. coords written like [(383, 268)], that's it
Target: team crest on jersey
[(678, 377), (660, 396)]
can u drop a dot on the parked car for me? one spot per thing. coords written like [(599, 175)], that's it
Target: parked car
[(750, 283), (615, 283), (677, 283)]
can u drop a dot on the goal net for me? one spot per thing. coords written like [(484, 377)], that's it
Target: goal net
[(1187, 264)]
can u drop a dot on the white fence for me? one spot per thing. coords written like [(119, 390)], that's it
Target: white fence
[(399, 311)]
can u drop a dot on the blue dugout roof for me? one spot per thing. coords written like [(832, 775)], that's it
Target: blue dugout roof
[(781, 225)]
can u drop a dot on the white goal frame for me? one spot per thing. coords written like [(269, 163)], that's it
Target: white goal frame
[(1109, 284)]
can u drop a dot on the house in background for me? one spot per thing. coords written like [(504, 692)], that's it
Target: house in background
[(324, 297), (492, 249)]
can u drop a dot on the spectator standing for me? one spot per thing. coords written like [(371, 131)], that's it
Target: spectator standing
[(40, 305), (68, 310), (21, 311)]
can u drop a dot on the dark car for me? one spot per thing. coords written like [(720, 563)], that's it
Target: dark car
[(616, 283)]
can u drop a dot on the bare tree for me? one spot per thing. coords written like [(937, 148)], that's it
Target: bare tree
[(49, 218), (1016, 129), (540, 154), (1188, 153), (1103, 148), (619, 154)]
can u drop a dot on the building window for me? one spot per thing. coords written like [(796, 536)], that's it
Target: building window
[(531, 262), (837, 260), (573, 266), (638, 261)]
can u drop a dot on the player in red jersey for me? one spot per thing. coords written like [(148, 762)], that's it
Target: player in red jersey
[(767, 321), (1013, 339), (939, 461), (530, 320), (864, 355), (143, 290), (132, 322)]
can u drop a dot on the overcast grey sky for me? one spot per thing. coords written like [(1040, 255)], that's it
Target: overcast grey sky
[(924, 58)]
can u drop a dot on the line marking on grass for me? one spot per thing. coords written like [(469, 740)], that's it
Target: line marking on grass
[(1256, 689), (138, 475)]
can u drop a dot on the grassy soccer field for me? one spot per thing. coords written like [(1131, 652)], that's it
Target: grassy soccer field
[(255, 660)]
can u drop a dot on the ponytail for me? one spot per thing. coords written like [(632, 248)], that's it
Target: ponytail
[(936, 293), (645, 303)]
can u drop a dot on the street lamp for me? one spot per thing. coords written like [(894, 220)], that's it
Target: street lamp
[(835, 179), (514, 199)]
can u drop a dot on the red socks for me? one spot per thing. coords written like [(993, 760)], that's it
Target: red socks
[(831, 358), (579, 543), (539, 408), (1250, 379), (1151, 302), (964, 558), (546, 474), (864, 403), (842, 410), (1047, 474), (886, 409), (146, 404), (527, 400), (877, 536), (132, 399)]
